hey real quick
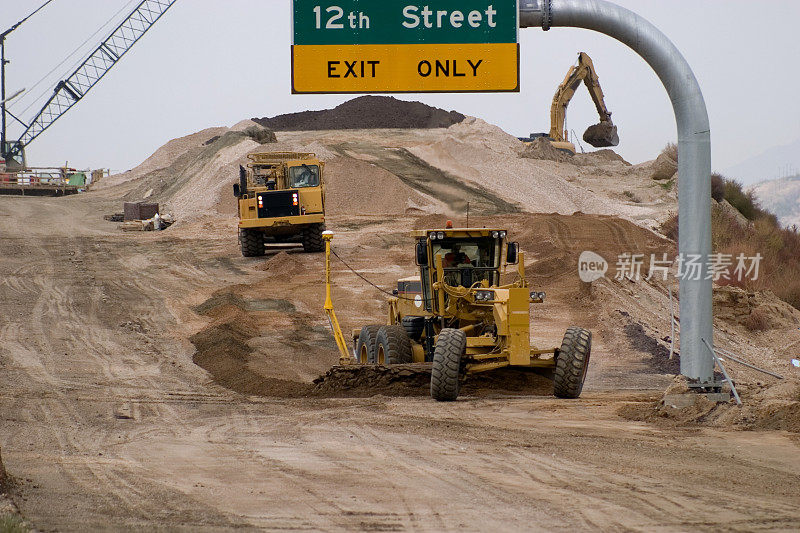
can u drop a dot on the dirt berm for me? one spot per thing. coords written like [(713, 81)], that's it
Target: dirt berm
[(366, 112)]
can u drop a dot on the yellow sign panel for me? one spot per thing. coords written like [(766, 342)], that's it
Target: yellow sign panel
[(405, 68)]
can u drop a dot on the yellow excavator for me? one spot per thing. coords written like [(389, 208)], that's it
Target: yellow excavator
[(601, 135)]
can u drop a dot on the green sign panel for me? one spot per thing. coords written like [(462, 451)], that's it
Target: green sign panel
[(355, 22)]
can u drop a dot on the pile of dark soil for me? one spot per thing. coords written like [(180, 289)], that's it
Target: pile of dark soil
[(365, 112), (364, 381), (659, 361), (415, 380)]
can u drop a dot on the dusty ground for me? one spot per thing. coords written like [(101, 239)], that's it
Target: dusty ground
[(107, 423)]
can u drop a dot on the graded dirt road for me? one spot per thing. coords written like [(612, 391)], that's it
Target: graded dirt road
[(108, 424)]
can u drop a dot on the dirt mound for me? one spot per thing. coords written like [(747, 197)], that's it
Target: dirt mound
[(365, 381), (599, 157), (664, 167), (415, 380), (365, 112), (194, 171), (263, 347), (351, 185), (774, 406), (739, 307), (541, 148), (282, 264)]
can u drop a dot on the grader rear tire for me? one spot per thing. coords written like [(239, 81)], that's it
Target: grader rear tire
[(393, 346), (414, 326), (446, 372), (366, 345), (252, 243), (312, 238), (572, 363)]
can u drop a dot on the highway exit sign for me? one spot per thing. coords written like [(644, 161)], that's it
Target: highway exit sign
[(358, 46)]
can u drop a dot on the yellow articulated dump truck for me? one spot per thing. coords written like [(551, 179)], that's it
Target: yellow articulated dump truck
[(457, 316), (281, 197)]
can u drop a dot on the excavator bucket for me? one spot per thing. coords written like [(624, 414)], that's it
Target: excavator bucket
[(602, 135)]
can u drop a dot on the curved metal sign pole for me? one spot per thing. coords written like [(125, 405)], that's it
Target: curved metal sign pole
[(694, 147)]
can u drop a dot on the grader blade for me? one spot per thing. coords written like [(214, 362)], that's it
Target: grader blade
[(602, 135)]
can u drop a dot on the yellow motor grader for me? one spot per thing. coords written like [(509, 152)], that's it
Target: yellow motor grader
[(458, 317)]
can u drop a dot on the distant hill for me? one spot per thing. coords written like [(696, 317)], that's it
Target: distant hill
[(766, 166), (781, 197)]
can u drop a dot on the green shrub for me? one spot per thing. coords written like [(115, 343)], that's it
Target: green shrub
[(757, 320), (717, 187), (11, 523), (743, 202), (779, 248), (671, 151)]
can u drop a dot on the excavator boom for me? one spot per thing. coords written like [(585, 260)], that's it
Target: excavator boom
[(601, 135)]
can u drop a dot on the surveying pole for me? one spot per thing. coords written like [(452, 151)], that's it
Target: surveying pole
[(345, 358)]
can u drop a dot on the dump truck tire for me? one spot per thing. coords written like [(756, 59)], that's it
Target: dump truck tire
[(572, 363), (393, 347), (366, 345), (446, 372), (312, 238), (252, 243)]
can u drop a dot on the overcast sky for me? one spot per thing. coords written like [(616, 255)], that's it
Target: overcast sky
[(211, 63)]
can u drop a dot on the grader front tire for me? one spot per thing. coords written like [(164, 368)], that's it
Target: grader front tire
[(446, 372), (572, 363), (393, 346)]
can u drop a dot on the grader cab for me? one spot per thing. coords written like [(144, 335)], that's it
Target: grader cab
[(458, 317)]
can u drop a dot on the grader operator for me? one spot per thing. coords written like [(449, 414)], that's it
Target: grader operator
[(281, 196), (457, 316)]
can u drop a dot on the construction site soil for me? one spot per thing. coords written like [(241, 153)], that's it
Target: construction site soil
[(162, 381)]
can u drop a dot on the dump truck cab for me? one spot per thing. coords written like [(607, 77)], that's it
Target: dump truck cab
[(281, 197), (461, 317)]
